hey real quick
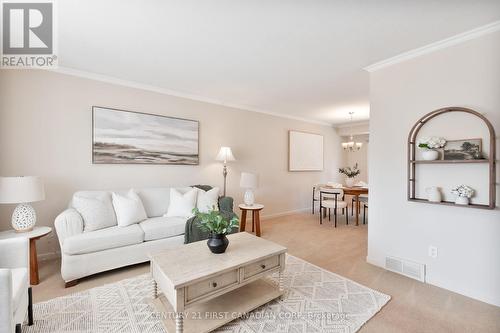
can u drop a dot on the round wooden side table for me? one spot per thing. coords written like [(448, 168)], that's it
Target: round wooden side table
[(255, 209), (33, 235)]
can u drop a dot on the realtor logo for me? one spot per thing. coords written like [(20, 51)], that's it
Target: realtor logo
[(28, 35)]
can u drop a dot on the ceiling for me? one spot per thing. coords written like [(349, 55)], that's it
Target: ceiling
[(297, 58)]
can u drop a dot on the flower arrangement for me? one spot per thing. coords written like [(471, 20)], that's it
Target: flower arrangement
[(214, 223), (463, 191), (432, 142), (350, 172)]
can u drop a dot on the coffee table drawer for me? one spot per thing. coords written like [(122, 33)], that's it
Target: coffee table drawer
[(211, 285), (260, 266)]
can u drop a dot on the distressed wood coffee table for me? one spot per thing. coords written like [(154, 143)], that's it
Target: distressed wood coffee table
[(198, 291)]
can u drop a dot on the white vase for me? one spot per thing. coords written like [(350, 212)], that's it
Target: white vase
[(462, 201), (430, 154), (433, 194), (349, 182)]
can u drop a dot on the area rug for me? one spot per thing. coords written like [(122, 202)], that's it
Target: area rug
[(315, 300)]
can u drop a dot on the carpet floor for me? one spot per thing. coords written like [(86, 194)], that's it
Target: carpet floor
[(315, 300)]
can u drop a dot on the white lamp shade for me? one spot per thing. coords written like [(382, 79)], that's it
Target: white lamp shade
[(21, 189), (249, 180), (225, 155)]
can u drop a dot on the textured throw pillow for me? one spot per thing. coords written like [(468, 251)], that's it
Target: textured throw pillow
[(207, 200), (181, 204), (97, 211), (128, 208)]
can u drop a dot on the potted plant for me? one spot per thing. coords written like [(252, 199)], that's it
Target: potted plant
[(217, 226), (429, 146), (351, 173), (463, 193)]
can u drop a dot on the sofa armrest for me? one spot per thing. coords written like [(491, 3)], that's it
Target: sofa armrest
[(68, 223), (15, 253), (6, 307)]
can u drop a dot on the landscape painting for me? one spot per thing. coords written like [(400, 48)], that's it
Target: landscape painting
[(468, 149), (125, 137)]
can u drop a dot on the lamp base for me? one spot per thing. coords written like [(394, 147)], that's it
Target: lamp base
[(23, 218), (249, 198)]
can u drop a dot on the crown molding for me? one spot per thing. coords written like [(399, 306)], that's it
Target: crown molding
[(163, 91), (457, 39), (353, 124)]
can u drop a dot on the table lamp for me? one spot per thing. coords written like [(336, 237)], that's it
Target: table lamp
[(22, 190), (249, 181), (225, 155)]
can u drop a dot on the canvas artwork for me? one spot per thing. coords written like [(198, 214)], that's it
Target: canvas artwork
[(125, 137), (468, 149), (305, 151)]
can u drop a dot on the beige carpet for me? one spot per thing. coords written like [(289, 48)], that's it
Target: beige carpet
[(315, 300)]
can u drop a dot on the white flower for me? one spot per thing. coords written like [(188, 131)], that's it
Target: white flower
[(433, 142), (463, 191)]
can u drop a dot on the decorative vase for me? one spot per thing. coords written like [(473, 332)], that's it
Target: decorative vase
[(430, 154), (462, 200), (217, 243), (23, 218), (349, 182), (433, 194)]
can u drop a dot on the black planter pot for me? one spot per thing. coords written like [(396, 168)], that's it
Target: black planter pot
[(217, 243)]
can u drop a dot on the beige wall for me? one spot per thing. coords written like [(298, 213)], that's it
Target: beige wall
[(468, 240), (45, 130)]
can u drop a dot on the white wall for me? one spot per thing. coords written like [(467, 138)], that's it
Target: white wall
[(468, 240), (45, 130), (358, 156)]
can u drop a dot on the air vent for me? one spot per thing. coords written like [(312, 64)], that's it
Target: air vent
[(407, 268)]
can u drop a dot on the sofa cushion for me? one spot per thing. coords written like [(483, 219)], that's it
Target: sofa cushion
[(19, 285), (156, 199), (163, 227), (128, 208), (103, 239), (208, 200), (182, 204), (96, 209)]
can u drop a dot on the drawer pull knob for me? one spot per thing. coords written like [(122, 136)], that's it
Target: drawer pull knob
[(214, 284), (263, 266)]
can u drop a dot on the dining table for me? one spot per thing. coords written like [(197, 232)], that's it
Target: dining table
[(355, 191)]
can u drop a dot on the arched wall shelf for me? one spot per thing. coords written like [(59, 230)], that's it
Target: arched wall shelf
[(413, 162)]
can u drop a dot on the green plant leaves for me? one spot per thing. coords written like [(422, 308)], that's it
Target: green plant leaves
[(214, 222)]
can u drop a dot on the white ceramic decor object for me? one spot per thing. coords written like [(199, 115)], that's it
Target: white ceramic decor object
[(433, 194), (462, 200), (430, 154), (350, 182)]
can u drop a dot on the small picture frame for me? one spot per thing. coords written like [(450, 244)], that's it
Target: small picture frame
[(466, 149)]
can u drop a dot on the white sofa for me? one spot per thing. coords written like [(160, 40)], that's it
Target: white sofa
[(87, 253), (15, 291)]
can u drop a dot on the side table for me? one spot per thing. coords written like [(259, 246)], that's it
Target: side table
[(255, 209), (33, 235)]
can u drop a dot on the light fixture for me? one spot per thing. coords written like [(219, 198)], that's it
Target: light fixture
[(225, 155), (22, 191), (351, 145), (249, 182)]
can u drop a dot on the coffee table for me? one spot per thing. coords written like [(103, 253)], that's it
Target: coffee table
[(198, 291)]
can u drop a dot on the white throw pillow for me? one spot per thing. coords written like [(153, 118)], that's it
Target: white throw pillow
[(181, 204), (207, 200), (128, 208), (97, 211)]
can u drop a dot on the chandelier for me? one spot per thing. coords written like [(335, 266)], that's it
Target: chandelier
[(351, 145)]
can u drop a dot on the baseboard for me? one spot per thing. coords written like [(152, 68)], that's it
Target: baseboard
[(286, 213)]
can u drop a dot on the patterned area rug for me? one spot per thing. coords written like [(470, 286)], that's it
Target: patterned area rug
[(315, 300)]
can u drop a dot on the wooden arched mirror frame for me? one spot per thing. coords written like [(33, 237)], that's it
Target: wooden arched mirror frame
[(413, 162)]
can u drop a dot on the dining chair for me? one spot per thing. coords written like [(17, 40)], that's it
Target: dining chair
[(362, 198), (365, 207), (315, 194), (332, 198)]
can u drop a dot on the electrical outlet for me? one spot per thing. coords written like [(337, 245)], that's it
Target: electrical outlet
[(433, 251)]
